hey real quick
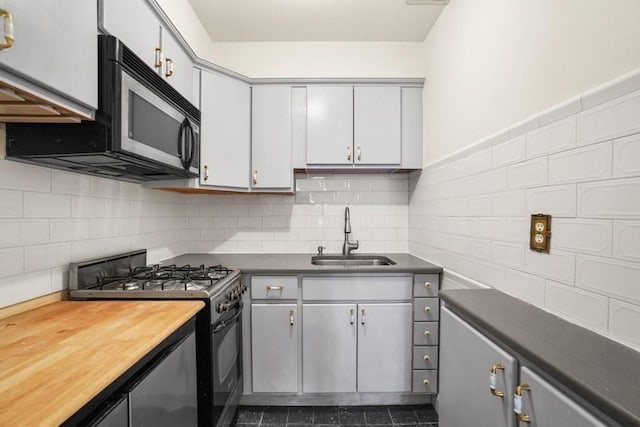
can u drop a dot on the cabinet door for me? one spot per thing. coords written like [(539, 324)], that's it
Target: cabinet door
[(182, 76), (167, 396), (329, 125), (548, 406), (116, 414), (329, 348), (376, 132), (224, 131), (412, 118), (271, 137), (384, 347), (136, 24), (274, 345), (55, 46), (466, 358)]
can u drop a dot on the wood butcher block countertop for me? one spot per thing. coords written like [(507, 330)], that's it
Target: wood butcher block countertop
[(56, 358)]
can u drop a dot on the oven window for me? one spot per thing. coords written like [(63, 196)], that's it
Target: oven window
[(151, 126)]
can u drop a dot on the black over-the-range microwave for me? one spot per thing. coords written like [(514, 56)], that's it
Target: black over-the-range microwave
[(144, 129)]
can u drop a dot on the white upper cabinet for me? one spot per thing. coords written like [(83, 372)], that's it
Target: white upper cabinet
[(225, 105), (377, 126), (54, 48), (329, 125), (136, 24), (271, 167), (412, 118)]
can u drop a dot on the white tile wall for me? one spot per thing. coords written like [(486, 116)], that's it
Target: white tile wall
[(579, 164)]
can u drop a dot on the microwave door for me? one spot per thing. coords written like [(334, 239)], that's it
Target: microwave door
[(152, 128)]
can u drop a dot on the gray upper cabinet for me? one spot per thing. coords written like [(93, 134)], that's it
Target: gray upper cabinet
[(271, 167), (384, 347), (545, 405), (54, 49), (376, 125), (225, 106), (329, 125), (412, 118), (136, 23), (466, 361)]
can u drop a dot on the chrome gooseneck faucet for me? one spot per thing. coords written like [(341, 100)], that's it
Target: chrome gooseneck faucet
[(348, 246)]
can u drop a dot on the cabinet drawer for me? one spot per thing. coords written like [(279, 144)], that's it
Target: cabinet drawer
[(426, 285), (425, 381), (274, 287), (425, 309), (370, 288), (425, 333), (425, 357)]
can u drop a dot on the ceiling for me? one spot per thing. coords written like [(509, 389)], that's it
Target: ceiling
[(315, 20)]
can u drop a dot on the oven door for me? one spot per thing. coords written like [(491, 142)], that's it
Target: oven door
[(153, 129), (226, 344)]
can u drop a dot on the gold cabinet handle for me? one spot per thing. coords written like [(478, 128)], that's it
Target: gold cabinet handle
[(352, 316), (158, 62), (427, 285), (255, 177), (425, 382), (362, 317), (275, 288), (206, 172), (8, 29), (349, 153), (492, 379), (291, 317), (427, 309), (168, 68), (517, 403), (359, 154)]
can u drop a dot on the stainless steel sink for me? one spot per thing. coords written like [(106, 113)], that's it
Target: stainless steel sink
[(352, 260)]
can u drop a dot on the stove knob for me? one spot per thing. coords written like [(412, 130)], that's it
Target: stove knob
[(243, 288), (222, 307)]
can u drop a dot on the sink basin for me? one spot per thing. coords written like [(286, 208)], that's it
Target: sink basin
[(354, 260)]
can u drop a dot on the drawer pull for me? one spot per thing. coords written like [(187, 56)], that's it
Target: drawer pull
[(517, 403), (427, 333), (275, 288), (352, 317), (291, 317), (425, 382), (426, 357), (427, 309), (362, 318), (492, 379), (427, 284)]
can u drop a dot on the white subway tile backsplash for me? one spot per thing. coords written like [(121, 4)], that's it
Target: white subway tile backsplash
[(468, 226), (557, 200), (71, 183), (582, 235), (518, 230), (46, 205), (523, 127), (626, 157), (532, 173), (552, 138), (22, 232), (525, 286), (610, 199), (586, 164), (617, 118), (11, 204), (618, 279), (624, 319), (509, 254), (510, 203), (41, 257), (87, 207), (103, 227), (19, 176), (626, 240), (510, 152), (620, 86), (556, 265), (478, 206), (582, 307), (24, 287), (11, 261), (565, 109), (492, 228), (476, 248)]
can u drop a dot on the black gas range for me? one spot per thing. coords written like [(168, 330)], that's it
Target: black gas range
[(218, 325)]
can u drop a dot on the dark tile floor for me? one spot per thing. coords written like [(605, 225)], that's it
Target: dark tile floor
[(301, 416)]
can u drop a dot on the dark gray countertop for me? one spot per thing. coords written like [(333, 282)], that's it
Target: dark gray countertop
[(601, 371), (301, 263)]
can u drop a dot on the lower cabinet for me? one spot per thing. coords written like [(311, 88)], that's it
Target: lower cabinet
[(274, 343), (479, 380)]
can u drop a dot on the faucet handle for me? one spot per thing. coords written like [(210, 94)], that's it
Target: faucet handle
[(321, 250)]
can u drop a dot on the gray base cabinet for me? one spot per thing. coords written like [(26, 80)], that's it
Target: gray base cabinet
[(274, 344), (466, 359)]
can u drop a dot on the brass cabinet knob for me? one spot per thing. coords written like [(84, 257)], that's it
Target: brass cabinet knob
[(168, 68), (8, 29), (158, 61)]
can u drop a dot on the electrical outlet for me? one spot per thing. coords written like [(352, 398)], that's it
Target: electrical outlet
[(540, 233)]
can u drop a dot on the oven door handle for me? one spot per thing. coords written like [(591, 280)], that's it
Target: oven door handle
[(221, 325)]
